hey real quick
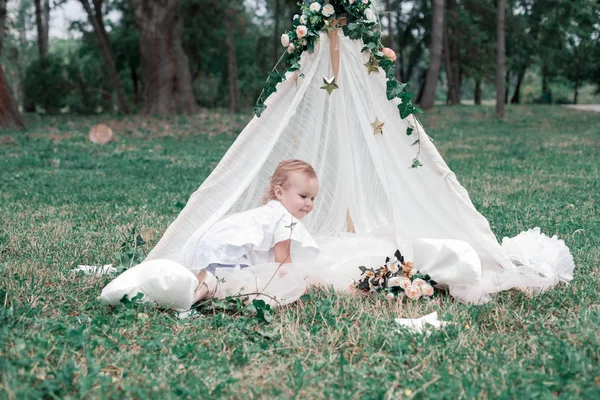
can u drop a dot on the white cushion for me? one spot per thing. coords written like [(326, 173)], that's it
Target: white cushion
[(165, 282)]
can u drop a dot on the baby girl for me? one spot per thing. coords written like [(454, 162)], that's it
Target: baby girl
[(267, 234)]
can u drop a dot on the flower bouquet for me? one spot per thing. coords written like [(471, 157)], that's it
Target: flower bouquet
[(396, 278)]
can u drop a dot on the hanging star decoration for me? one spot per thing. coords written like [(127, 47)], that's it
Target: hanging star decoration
[(377, 126), (329, 84), (372, 65)]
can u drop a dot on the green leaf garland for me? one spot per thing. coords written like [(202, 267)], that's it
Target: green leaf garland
[(361, 23)]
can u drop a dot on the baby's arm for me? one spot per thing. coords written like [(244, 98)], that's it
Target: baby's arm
[(282, 252)]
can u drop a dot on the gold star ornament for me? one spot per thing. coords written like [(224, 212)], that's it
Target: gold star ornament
[(372, 65), (377, 126), (329, 84)]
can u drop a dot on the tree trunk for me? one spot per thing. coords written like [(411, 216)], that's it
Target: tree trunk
[(576, 91), (452, 55), (136, 85), (423, 80), (516, 98), (166, 73), (506, 85), (95, 18), (500, 59), (9, 113), (477, 92), (544, 78), (27, 104), (452, 67), (232, 70), (2, 19), (42, 22), (392, 38), (276, 35), (435, 55)]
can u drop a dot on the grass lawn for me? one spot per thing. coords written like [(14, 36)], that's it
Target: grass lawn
[(65, 201)]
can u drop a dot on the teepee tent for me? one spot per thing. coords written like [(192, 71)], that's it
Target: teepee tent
[(358, 144)]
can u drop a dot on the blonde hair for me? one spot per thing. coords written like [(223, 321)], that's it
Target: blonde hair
[(281, 174)]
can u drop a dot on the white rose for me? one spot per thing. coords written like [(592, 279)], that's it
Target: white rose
[(315, 7), (285, 40), (291, 48), (370, 15), (393, 267), (395, 281), (365, 1), (427, 290), (296, 16), (301, 31), (303, 19), (328, 10)]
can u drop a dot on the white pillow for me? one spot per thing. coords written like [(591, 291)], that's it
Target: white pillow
[(165, 282)]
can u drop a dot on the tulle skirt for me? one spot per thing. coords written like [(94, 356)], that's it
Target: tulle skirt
[(540, 262)]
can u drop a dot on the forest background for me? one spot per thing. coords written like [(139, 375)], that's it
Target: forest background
[(178, 55)]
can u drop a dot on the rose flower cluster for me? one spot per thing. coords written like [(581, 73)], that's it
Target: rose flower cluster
[(396, 278)]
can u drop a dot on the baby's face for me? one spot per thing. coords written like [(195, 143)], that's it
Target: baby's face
[(298, 195)]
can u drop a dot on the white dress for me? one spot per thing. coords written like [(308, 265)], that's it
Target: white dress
[(247, 239)]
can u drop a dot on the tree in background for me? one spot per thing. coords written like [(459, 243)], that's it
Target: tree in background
[(435, 55), (500, 59), (42, 22), (582, 39), (451, 50), (9, 113), (231, 20), (96, 20), (165, 69)]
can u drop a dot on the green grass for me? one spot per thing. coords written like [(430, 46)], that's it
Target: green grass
[(65, 201)]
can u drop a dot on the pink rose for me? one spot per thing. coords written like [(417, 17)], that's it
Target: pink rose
[(285, 40), (413, 292), (301, 31), (419, 282), (389, 53), (291, 48), (427, 290), (405, 282), (365, 1)]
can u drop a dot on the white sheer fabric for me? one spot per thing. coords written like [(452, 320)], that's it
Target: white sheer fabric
[(391, 205)]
